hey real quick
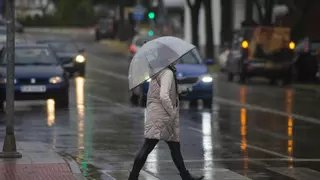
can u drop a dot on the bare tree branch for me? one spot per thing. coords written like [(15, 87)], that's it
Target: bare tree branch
[(259, 7), (292, 5), (189, 4)]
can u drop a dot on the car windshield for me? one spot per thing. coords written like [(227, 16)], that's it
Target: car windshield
[(32, 56), (141, 40), (193, 57), (63, 46), (105, 23), (3, 31)]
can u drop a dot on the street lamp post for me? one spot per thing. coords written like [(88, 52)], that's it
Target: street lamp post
[(9, 145)]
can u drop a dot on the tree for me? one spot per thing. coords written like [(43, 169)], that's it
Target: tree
[(44, 5), (195, 9), (209, 28), (299, 9), (267, 7), (70, 11)]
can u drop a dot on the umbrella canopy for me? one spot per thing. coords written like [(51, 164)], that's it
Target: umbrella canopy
[(154, 56)]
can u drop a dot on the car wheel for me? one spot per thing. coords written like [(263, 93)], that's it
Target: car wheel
[(273, 81), (82, 72), (62, 101), (207, 103), (193, 104), (243, 79), (98, 37), (2, 110), (136, 100), (230, 77)]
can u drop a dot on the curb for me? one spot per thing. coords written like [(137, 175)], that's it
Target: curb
[(60, 30), (74, 167), (116, 46)]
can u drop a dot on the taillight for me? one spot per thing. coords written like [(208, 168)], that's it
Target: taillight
[(292, 45), (133, 48), (110, 26), (244, 44)]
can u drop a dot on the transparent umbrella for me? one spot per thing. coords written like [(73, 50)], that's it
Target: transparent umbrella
[(154, 56)]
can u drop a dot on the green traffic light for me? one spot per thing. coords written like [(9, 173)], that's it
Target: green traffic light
[(150, 33), (151, 15)]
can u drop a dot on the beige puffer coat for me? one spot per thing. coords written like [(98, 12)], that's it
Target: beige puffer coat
[(163, 108)]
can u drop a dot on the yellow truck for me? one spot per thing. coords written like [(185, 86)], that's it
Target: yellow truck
[(265, 52)]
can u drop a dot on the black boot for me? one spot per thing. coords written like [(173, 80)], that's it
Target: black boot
[(188, 176), (133, 176)]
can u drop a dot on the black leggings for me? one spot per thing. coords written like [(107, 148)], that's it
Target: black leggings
[(146, 149)]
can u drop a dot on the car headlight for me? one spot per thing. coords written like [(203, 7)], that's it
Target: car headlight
[(80, 59), (148, 78), (3, 80), (207, 79), (55, 80)]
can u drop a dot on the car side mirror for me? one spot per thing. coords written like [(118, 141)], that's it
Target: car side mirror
[(81, 50), (209, 61), (63, 62)]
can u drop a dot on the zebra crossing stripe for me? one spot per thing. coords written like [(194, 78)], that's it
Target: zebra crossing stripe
[(297, 173)]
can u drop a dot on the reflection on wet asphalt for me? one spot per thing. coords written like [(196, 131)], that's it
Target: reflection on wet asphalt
[(252, 132)]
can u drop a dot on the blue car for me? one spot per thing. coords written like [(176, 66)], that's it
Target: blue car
[(38, 75), (193, 77)]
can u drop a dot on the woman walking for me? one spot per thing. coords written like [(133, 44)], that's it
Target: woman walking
[(162, 122)]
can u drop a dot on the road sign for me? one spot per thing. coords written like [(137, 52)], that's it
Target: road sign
[(138, 12)]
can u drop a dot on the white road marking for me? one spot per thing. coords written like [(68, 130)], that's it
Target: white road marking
[(268, 110), (231, 102), (233, 160), (109, 73), (297, 173), (143, 174), (250, 146), (108, 101)]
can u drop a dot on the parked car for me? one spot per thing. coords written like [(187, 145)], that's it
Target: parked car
[(38, 75), (192, 75), (137, 43), (19, 27), (105, 29)]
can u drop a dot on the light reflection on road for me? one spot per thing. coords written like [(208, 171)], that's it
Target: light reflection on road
[(152, 161), (79, 83), (50, 112), (243, 129), (207, 143), (51, 119), (289, 101)]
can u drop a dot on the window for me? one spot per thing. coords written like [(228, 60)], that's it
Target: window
[(140, 41), (192, 57)]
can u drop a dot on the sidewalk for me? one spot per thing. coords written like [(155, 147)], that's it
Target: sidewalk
[(38, 161)]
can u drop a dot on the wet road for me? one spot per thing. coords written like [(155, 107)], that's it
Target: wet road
[(252, 132)]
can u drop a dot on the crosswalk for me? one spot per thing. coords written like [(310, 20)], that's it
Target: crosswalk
[(275, 173)]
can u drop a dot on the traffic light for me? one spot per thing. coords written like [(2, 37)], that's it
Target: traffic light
[(151, 15), (150, 33)]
